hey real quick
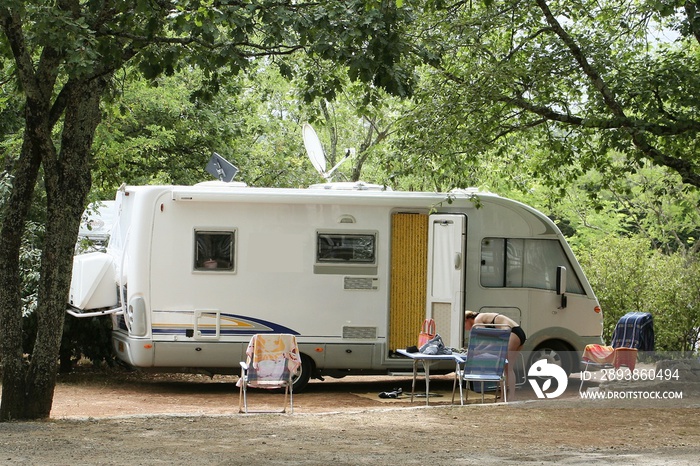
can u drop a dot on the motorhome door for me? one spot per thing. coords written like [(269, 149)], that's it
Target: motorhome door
[(446, 243)]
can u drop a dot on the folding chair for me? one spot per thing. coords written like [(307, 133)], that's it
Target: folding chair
[(487, 353), (634, 331), (272, 361)]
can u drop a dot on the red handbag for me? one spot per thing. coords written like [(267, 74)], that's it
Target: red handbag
[(427, 332)]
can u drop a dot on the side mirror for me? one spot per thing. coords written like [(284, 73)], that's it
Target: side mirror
[(561, 285), (561, 280)]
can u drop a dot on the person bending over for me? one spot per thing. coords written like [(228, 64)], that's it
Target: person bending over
[(515, 344)]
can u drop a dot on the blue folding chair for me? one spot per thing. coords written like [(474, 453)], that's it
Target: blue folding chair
[(487, 354)]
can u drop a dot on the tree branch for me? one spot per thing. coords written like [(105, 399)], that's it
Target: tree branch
[(35, 82), (675, 129), (687, 170), (185, 41)]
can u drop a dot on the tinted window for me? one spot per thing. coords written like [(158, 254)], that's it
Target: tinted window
[(214, 250), (345, 248)]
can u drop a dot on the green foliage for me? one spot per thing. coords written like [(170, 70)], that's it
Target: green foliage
[(158, 132), (627, 276), (30, 260), (11, 118), (365, 35), (563, 87), (154, 133)]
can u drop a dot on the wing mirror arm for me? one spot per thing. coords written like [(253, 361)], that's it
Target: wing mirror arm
[(561, 285)]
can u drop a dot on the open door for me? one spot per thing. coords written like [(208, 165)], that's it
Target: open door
[(446, 259)]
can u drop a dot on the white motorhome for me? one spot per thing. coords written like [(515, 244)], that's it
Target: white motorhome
[(191, 272)]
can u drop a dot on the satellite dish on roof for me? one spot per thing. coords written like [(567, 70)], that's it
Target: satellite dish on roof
[(221, 168), (314, 149)]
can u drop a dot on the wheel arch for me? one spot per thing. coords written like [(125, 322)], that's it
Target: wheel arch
[(306, 372), (560, 345)]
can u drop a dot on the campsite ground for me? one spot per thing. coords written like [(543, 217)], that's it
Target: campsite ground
[(132, 418)]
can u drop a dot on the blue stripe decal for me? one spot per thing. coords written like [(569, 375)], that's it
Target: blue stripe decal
[(231, 324)]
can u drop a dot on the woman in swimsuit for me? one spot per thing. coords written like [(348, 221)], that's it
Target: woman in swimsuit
[(515, 344)]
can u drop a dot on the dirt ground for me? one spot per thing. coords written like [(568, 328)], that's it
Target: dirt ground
[(132, 418)]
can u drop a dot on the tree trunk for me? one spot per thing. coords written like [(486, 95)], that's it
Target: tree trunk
[(25, 175), (68, 182), (67, 179)]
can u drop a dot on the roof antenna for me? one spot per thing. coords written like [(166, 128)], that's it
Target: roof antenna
[(221, 168), (315, 152)]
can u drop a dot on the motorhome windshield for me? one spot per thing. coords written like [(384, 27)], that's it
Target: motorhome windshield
[(525, 263)]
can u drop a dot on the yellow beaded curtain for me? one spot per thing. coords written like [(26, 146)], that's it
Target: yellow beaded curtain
[(409, 263)]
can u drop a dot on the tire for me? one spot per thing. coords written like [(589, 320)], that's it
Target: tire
[(304, 375), (555, 352)]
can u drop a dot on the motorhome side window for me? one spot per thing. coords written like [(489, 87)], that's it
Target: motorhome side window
[(345, 248), (213, 250), (525, 263)]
